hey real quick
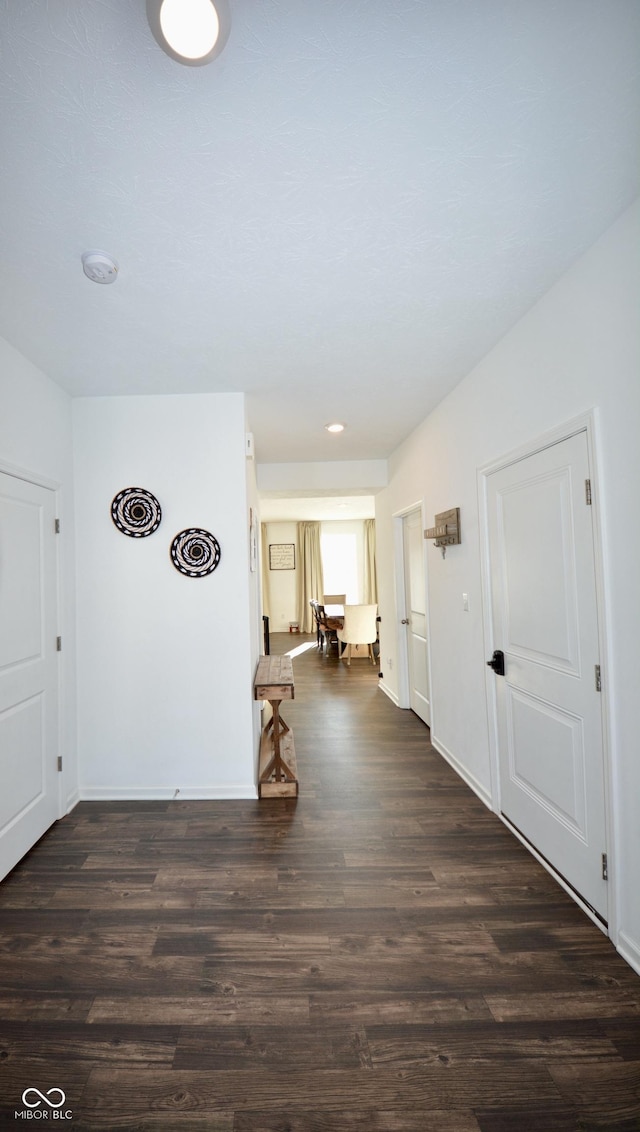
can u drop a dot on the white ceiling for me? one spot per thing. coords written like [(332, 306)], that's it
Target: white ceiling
[(339, 216)]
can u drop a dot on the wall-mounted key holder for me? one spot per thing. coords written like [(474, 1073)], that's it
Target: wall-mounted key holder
[(447, 529)]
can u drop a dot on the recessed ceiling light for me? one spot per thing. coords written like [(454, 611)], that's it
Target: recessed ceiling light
[(334, 427), (190, 31)]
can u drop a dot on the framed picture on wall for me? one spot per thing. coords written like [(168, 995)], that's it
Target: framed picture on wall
[(282, 556)]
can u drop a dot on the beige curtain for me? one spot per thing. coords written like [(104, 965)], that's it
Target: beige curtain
[(370, 573), (264, 569), (309, 578)]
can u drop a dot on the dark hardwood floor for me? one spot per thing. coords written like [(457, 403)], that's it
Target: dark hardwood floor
[(379, 955)]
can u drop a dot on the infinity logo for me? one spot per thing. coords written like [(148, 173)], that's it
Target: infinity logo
[(43, 1097)]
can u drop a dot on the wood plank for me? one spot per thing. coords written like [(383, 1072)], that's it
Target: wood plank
[(625, 1035), (201, 940), (389, 1008), (262, 1047), (544, 1117), (118, 1091), (94, 1043), (237, 879), (478, 1042), (116, 974), (612, 1003), (37, 1006), (207, 1009), (609, 1094), (389, 972), (365, 1120)]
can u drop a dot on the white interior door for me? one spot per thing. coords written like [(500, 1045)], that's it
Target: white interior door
[(543, 586), (416, 615), (28, 667)]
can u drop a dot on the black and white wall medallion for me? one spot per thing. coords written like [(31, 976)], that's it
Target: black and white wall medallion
[(136, 512), (195, 552)]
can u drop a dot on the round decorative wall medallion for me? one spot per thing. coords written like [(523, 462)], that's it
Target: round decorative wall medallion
[(195, 552), (136, 512)]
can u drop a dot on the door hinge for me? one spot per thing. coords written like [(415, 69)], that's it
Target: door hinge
[(57, 526), (59, 763), (58, 644), (605, 867), (587, 492), (598, 678)]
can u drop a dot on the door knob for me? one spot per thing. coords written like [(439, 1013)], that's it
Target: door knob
[(405, 621), (497, 662)]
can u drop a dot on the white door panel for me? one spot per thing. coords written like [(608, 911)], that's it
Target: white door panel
[(20, 589), (28, 667), (22, 780), (546, 745), (418, 623), (539, 561), (545, 620)]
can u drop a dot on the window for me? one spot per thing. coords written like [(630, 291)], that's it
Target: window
[(340, 566)]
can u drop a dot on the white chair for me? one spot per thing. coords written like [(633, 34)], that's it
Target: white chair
[(359, 628)]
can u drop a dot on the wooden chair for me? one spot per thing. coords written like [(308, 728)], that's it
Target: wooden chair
[(315, 608), (360, 628), (325, 635)]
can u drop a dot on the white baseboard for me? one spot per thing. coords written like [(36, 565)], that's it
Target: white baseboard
[(471, 781), (164, 793), (72, 801), (629, 949), (388, 692)]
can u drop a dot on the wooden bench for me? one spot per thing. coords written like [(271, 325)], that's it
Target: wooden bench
[(277, 773)]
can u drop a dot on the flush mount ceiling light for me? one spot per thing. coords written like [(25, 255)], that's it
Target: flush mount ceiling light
[(190, 31), (334, 427)]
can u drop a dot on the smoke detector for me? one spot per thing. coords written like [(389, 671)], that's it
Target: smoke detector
[(99, 267)]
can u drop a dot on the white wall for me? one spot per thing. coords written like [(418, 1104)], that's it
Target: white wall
[(577, 349), (35, 437), (281, 583), (165, 666), (343, 476), (255, 626)]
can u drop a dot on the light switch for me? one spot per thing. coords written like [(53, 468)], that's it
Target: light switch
[(465, 602)]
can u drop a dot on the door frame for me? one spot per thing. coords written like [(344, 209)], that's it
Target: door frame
[(402, 644), (20, 473), (587, 423)]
